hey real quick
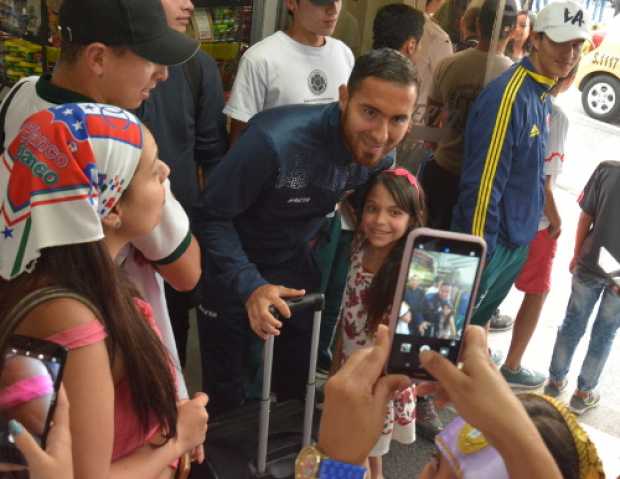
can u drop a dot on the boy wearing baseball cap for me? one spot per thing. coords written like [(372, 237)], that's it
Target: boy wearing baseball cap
[(116, 52), (501, 192)]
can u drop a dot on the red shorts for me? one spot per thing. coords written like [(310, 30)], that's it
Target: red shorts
[(535, 276)]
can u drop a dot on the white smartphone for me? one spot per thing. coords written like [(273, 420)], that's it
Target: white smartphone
[(434, 298)]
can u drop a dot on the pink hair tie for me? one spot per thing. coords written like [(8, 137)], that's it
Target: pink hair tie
[(404, 172)]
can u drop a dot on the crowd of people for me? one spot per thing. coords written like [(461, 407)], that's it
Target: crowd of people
[(125, 201)]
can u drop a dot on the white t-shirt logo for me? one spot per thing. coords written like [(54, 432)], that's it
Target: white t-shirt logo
[(317, 82)]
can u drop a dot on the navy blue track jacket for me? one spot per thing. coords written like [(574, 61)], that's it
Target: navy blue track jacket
[(268, 197)]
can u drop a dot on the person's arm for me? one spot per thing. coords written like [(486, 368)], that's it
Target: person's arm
[(588, 201), (236, 128), (211, 140), (551, 209), (88, 382), (583, 228), (249, 91), (184, 272), (153, 460), (171, 247), (250, 167)]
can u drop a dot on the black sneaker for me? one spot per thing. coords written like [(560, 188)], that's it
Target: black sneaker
[(427, 424), (501, 322)]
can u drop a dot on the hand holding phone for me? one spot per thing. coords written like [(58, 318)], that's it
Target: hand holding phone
[(29, 382), (57, 460), (438, 282)]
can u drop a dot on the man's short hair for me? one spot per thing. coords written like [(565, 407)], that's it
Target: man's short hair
[(470, 18), (386, 64), (396, 23), (487, 18)]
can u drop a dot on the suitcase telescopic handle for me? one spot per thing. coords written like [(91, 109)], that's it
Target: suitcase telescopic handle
[(314, 302)]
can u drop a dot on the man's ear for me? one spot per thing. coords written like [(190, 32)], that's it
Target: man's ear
[(94, 55), (343, 97)]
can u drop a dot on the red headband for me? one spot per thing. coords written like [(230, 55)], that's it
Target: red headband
[(404, 172)]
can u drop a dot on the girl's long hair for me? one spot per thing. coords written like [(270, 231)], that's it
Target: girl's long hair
[(411, 200), (88, 270)]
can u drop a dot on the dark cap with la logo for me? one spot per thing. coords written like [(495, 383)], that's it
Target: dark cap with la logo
[(563, 21), (139, 25)]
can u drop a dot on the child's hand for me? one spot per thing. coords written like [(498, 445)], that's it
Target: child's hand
[(192, 423), (355, 402), (56, 461)]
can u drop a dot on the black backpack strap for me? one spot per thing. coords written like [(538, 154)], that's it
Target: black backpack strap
[(3, 112)]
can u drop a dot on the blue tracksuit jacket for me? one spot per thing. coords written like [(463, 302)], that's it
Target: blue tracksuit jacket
[(268, 197), (501, 192)]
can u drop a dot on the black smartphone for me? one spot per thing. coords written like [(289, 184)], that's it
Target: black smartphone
[(435, 295), (29, 381)]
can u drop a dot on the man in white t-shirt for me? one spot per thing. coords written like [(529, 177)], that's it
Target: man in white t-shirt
[(302, 65), (535, 276)]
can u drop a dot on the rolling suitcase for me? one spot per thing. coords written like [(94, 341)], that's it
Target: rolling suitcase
[(262, 440)]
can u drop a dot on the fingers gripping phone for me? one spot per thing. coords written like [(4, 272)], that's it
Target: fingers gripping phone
[(29, 381), (434, 299)]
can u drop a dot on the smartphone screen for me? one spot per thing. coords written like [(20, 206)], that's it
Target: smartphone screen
[(435, 301), (29, 381)]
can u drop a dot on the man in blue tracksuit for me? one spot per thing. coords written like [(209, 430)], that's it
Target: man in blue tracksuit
[(501, 192), (265, 202)]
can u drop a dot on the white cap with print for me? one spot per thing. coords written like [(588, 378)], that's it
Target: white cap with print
[(563, 21)]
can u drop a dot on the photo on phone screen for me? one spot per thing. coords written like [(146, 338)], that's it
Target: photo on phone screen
[(29, 381), (435, 297)]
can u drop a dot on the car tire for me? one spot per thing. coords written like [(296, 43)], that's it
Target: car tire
[(600, 97)]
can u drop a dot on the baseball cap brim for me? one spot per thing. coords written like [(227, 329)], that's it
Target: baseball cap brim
[(563, 34), (171, 48)]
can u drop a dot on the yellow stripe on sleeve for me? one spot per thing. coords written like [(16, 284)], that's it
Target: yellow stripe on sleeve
[(495, 151)]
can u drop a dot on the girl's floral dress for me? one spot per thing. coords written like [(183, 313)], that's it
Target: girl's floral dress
[(400, 416)]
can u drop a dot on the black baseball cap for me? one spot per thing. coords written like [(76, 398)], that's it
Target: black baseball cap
[(139, 25)]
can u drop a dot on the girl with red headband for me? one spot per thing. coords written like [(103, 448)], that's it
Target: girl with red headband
[(393, 206)]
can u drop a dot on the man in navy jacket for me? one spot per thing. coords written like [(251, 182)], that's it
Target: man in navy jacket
[(260, 216)]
